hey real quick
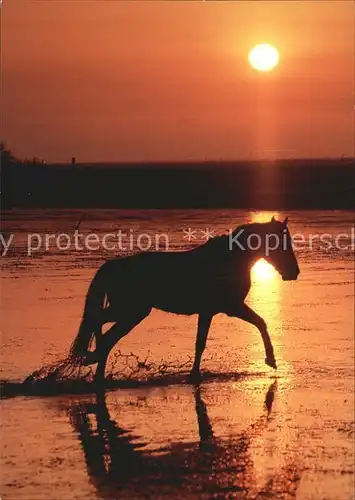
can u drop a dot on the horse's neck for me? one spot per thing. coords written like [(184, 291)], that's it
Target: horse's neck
[(245, 259), (243, 254), (219, 254)]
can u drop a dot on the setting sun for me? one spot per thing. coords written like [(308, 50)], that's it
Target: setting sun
[(263, 57)]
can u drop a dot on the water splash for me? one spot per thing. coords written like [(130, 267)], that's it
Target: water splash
[(70, 376)]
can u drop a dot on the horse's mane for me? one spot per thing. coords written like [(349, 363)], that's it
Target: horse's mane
[(214, 242), (219, 241)]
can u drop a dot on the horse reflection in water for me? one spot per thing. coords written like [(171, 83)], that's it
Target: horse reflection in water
[(119, 467)]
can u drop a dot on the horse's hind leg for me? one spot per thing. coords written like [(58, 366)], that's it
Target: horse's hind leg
[(107, 316), (110, 338)]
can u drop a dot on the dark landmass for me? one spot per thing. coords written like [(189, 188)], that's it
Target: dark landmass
[(283, 184)]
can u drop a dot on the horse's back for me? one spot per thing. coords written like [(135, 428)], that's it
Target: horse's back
[(178, 282), (164, 280)]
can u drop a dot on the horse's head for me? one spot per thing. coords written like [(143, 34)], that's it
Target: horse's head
[(269, 240), (277, 249)]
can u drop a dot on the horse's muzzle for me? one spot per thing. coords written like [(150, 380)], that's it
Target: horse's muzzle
[(290, 276)]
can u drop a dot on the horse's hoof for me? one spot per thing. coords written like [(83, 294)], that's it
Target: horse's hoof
[(90, 359), (271, 362), (99, 381), (195, 376)]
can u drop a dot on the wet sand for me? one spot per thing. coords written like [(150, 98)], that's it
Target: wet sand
[(244, 432)]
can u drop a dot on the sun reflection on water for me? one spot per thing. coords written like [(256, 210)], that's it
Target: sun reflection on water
[(263, 271), (266, 298)]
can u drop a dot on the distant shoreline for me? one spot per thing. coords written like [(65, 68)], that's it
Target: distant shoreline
[(208, 163), (266, 185)]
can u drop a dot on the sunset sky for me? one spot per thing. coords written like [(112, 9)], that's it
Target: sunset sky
[(121, 80)]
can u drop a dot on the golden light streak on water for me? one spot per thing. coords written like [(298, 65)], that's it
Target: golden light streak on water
[(263, 271), (266, 299), (263, 216)]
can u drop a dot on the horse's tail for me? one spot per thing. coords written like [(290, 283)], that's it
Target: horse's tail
[(90, 322)]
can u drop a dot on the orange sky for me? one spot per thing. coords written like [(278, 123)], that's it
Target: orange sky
[(121, 80)]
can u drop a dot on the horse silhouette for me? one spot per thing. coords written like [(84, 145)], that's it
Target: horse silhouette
[(120, 464), (210, 279)]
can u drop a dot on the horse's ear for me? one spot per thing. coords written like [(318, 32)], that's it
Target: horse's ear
[(285, 221), (272, 219)]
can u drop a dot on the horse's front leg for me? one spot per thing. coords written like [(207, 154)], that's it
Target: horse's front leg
[(244, 312), (204, 322)]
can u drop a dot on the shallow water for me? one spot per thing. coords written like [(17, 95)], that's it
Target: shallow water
[(279, 434)]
